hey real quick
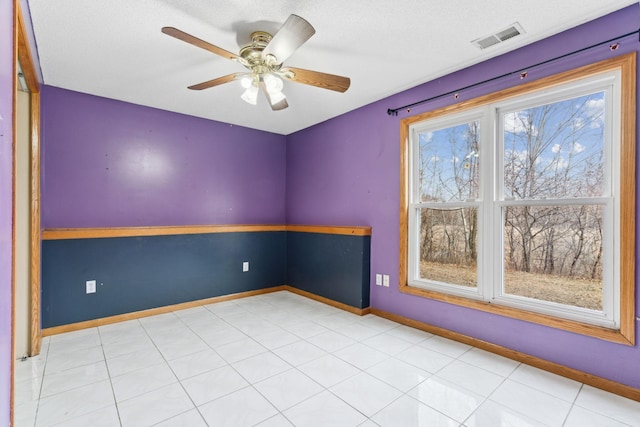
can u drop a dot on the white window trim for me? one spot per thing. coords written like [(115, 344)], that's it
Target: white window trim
[(414, 191)]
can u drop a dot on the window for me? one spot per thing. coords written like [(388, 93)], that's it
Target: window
[(521, 202)]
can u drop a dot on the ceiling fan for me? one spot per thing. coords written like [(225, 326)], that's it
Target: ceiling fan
[(264, 58)]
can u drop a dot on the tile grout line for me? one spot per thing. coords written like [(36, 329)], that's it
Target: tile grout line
[(294, 367), (174, 373), (573, 404), (44, 370), (113, 392)]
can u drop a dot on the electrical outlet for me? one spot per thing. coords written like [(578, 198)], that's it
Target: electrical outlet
[(245, 266), (91, 286), (385, 280), (379, 279)]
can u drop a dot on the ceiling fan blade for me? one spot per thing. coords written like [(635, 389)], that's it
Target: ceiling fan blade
[(181, 35), (293, 33), (316, 78), (215, 82), (275, 106), (279, 105)]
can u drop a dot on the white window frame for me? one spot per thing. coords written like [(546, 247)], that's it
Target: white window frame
[(477, 114), (490, 201)]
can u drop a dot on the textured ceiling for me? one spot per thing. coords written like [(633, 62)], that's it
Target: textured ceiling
[(114, 48)]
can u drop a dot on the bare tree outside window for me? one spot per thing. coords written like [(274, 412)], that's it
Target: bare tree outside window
[(448, 174), (552, 251)]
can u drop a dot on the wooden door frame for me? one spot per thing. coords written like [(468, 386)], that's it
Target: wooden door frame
[(23, 54)]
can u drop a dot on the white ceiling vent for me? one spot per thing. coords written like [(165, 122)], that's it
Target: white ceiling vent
[(493, 39)]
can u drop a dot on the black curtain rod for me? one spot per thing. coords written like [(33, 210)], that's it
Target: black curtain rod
[(394, 111)]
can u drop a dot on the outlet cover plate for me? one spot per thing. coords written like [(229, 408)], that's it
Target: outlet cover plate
[(91, 286)]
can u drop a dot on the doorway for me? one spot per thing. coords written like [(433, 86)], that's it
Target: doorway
[(27, 334)]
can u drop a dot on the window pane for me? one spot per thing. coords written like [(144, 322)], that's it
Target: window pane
[(448, 163), (555, 150), (554, 253), (448, 245)]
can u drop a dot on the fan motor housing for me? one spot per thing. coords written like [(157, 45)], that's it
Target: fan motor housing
[(252, 53)]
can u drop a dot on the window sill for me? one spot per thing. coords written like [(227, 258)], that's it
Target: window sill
[(625, 335)]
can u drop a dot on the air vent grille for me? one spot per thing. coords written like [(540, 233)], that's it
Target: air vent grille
[(493, 39)]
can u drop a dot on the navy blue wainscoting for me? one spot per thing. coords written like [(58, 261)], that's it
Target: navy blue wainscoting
[(138, 273), (334, 266)]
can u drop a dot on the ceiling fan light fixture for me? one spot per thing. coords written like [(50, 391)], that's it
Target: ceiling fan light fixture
[(273, 83), (247, 81), (250, 95)]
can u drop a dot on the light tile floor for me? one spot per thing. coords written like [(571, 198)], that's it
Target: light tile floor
[(281, 359)]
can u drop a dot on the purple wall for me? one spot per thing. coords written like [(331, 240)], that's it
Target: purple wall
[(346, 172), (108, 163), (6, 205)]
